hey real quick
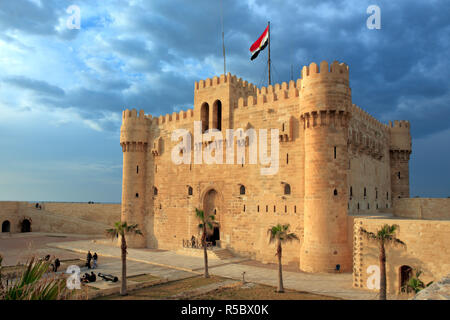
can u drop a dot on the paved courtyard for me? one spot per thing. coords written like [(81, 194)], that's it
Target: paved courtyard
[(336, 285), (169, 265)]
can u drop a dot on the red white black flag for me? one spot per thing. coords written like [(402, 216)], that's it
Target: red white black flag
[(260, 44)]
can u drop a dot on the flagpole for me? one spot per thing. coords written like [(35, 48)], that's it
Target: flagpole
[(269, 54), (223, 40)]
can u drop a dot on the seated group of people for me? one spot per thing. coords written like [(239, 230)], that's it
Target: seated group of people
[(89, 277)]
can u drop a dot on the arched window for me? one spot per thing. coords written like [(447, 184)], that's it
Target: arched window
[(155, 191), (351, 191), (358, 205), (190, 191), (137, 195), (376, 193), (205, 117), (287, 189), (217, 115), (335, 152), (365, 192), (335, 192), (137, 169), (242, 189), (398, 174), (387, 195)]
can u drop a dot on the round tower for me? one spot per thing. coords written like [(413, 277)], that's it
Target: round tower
[(400, 150), (325, 101), (133, 139)]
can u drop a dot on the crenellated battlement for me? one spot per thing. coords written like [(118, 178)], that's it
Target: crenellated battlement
[(132, 114), (181, 116), (400, 124), (229, 79), (400, 135), (271, 94), (338, 70), (361, 114)]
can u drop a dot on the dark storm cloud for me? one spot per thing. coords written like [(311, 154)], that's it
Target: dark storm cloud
[(37, 86), (398, 71)]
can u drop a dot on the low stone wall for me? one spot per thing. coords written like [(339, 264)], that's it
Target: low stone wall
[(423, 208), (60, 217), (99, 212)]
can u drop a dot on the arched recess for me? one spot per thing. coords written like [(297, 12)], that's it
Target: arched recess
[(217, 115), (212, 204), (6, 226), (25, 225), (405, 273), (204, 112)]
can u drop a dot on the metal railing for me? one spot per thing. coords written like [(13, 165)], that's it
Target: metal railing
[(197, 244)]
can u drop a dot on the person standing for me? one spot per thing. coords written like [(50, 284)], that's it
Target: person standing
[(95, 257), (88, 259)]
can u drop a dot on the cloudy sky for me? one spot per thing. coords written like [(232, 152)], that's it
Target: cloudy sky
[(62, 90)]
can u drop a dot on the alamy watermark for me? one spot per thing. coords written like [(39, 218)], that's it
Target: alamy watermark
[(74, 21), (208, 147), (373, 281), (374, 20)]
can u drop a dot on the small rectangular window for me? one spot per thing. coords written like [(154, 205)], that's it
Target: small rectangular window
[(137, 169), (335, 152)]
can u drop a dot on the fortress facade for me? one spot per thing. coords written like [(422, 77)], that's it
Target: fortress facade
[(335, 169), (335, 161)]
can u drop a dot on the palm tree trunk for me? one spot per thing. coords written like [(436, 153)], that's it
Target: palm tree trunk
[(123, 289), (205, 254), (280, 270), (382, 272)]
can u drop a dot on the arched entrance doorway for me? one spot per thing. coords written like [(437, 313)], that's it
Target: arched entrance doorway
[(210, 207), (26, 226), (405, 275), (6, 226)]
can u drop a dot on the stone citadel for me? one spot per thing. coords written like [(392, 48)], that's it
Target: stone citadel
[(338, 169)]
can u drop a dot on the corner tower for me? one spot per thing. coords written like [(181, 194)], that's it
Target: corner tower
[(400, 150), (325, 101), (133, 139)]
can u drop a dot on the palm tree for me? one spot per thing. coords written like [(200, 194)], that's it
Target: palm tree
[(206, 223), (120, 229), (280, 234), (384, 236)]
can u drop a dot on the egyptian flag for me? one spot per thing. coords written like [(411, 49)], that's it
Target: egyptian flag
[(260, 44)]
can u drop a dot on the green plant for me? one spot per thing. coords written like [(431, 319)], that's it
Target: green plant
[(36, 283), (416, 284)]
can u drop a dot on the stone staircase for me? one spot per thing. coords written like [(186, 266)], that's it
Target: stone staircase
[(223, 254)]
